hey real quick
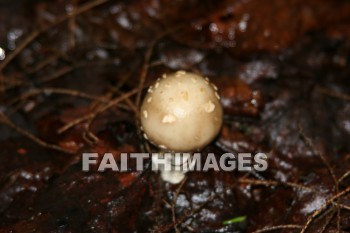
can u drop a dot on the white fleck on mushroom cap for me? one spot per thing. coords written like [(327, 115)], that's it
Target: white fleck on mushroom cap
[(181, 112)]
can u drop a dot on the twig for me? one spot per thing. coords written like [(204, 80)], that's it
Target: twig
[(72, 26), (273, 183), (333, 93), (189, 214), (322, 208), (56, 75), (345, 207), (328, 221), (147, 58), (326, 163), (98, 111), (92, 138), (343, 177), (33, 35), (144, 72), (280, 227), (88, 135), (173, 204), (43, 63), (61, 91), (19, 48), (5, 120)]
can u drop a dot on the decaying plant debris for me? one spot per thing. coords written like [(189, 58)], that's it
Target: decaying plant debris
[(73, 74)]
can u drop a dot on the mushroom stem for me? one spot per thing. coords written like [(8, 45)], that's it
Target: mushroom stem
[(172, 166)]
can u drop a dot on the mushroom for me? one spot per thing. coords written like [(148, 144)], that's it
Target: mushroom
[(181, 113)]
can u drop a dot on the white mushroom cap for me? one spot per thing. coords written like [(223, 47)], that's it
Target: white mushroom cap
[(181, 112)]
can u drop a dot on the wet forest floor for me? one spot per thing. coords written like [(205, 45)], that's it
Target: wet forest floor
[(72, 74)]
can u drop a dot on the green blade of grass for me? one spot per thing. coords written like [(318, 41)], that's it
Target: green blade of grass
[(235, 220)]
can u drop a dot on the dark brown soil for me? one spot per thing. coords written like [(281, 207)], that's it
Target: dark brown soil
[(72, 78)]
